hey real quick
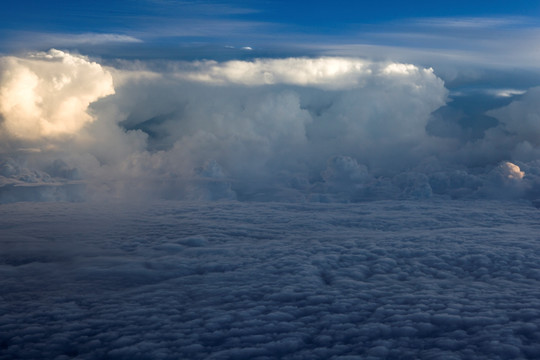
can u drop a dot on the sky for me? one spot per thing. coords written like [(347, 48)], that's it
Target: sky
[(461, 42), (269, 179), (198, 29)]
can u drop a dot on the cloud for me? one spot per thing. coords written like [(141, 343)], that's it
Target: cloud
[(290, 129), (331, 73), (215, 280), (507, 92), (274, 120), (23, 40), (522, 117), (473, 22), (86, 39), (494, 46), (48, 94)]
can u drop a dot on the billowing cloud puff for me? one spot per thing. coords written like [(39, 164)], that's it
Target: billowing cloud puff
[(522, 119), (509, 172), (296, 129), (345, 169), (48, 94), (336, 106), (506, 180), (326, 72)]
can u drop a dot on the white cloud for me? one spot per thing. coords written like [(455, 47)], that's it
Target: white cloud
[(506, 93), (472, 22), (511, 172), (332, 72), (457, 48), (42, 40), (327, 72), (293, 129), (48, 94), (88, 39), (522, 117)]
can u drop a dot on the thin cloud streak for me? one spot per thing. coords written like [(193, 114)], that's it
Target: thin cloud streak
[(474, 22), (80, 39), (484, 42)]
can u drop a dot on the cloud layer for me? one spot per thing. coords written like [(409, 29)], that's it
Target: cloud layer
[(231, 280), (293, 129)]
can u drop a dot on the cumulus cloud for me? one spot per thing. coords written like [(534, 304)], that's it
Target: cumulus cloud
[(522, 117), (48, 94), (293, 129), (326, 72)]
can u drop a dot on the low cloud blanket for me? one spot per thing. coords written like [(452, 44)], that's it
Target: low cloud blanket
[(233, 280)]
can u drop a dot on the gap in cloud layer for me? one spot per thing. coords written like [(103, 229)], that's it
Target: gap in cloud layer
[(293, 129)]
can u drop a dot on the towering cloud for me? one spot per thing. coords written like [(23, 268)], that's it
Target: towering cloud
[(522, 118), (47, 94), (271, 123), (295, 129)]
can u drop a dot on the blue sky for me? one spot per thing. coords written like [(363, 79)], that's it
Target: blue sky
[(131, 16), (165, 24), (478, 41)]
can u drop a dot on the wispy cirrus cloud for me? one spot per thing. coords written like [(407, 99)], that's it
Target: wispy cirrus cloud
[(473, 22), (83, 39), (91, 38), (457, 48)]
